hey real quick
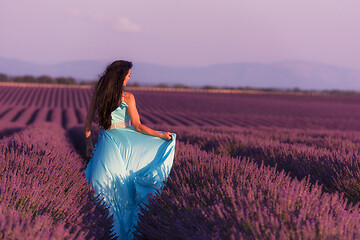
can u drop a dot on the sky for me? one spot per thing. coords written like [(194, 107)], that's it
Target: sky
[(182, 32)]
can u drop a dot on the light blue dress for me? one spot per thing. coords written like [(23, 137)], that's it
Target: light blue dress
[(125, 167)]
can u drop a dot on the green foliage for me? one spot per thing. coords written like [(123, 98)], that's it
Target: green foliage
[(3, 77), (210, 87), (134, 84), (88, 82), (162, 85), (26, 79), (65, 80), (45, 79), (180, 86), (40, 79), (72, 81)]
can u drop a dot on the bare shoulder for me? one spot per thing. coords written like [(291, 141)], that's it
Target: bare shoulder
[(129, 97)]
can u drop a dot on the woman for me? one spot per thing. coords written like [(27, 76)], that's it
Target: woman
[(130, 159)]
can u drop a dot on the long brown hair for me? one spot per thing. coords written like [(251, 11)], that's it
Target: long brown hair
[(109, 90)]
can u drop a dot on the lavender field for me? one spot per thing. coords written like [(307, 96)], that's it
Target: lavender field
[(247, 166)]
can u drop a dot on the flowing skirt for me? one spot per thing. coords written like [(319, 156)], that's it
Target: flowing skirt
[(125, 168)]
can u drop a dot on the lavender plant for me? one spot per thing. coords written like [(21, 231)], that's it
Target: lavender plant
[(334, 163), (19, 225), (209, 196), (335, 112), (248, 166), (45, 178)]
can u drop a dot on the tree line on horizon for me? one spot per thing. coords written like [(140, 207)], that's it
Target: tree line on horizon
[(40, 79), (71, 81)]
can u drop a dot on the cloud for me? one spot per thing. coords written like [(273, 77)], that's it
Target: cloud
[(126, 25), (119, 24)]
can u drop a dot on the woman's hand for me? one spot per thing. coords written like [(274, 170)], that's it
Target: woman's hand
[(89, 149), (167, 135)]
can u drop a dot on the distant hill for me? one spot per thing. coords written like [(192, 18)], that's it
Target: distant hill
[(283, 75), (80, 70)]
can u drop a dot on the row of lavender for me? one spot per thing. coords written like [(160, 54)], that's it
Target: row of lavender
[(224, 183), (331, 158), (24, 116), (45, 97), (76, 97), (227, 183), (68, 106), (209, 196), (43, 191)]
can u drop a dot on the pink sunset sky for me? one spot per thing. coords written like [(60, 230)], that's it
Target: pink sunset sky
[(182, 33)]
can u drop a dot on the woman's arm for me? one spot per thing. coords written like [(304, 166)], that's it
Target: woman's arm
[(87, 126), (135, 120)]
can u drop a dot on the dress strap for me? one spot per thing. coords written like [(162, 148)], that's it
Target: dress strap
[(122, 99)]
